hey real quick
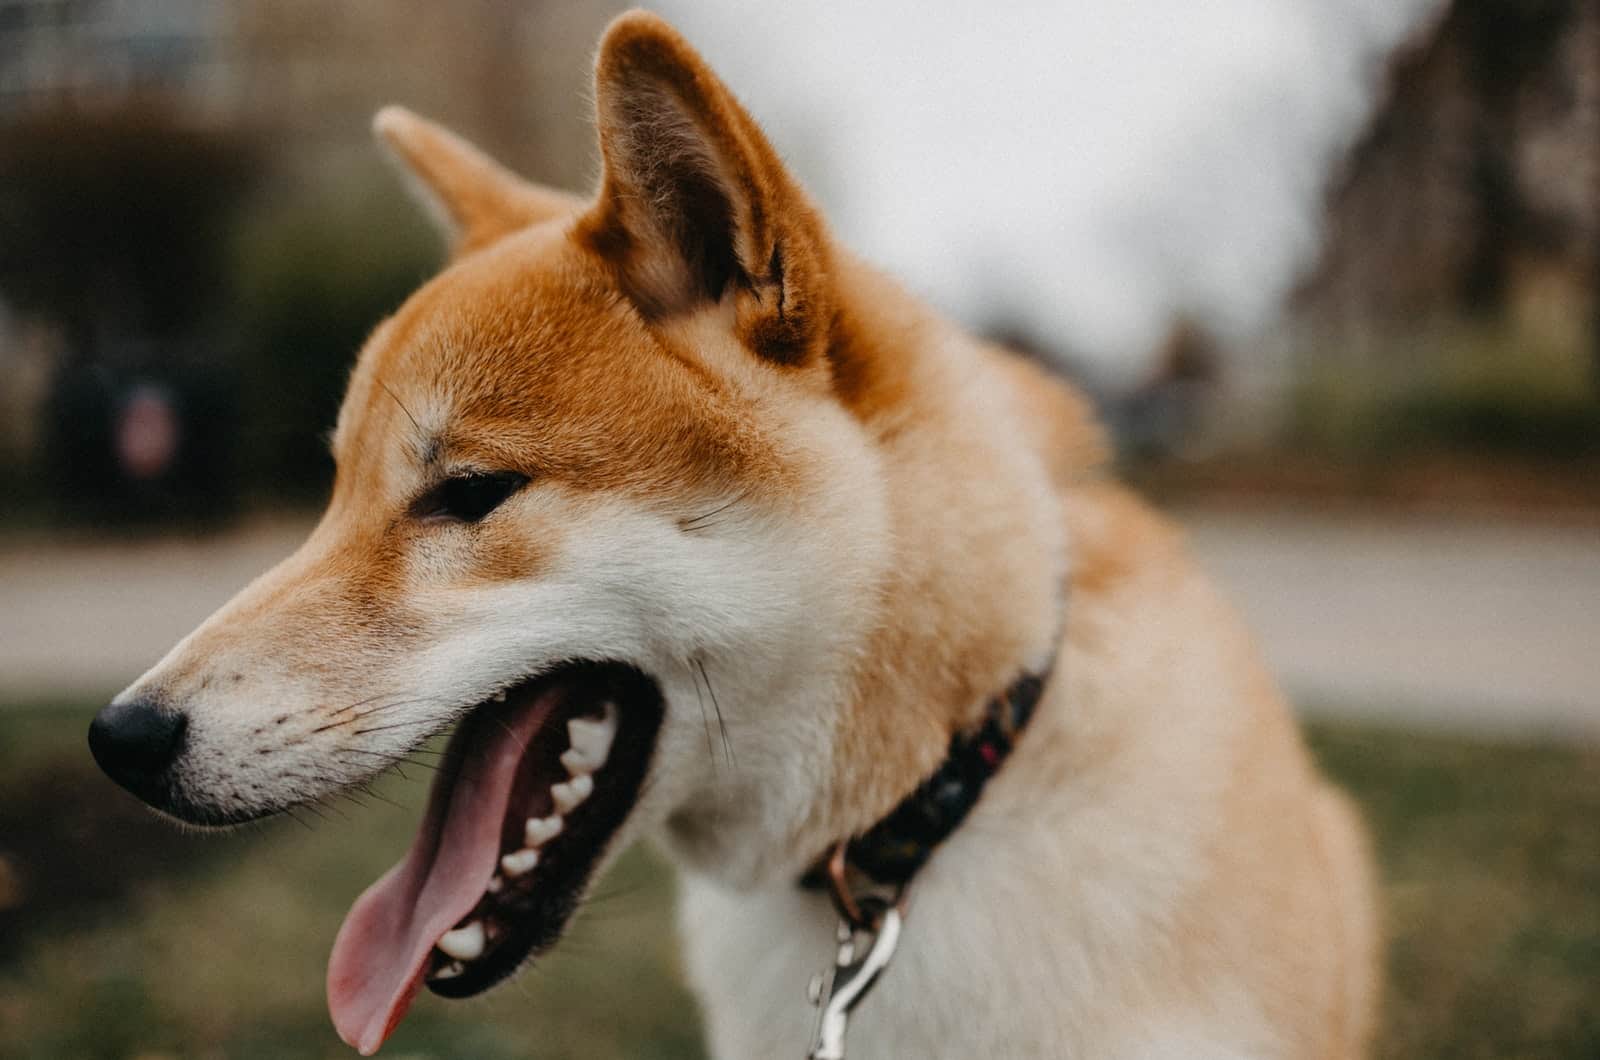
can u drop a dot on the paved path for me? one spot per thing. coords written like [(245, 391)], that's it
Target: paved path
[(1476, 626), (84, 619), (1482, 627)]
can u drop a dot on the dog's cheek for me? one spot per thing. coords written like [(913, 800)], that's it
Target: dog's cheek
[(512, 551)]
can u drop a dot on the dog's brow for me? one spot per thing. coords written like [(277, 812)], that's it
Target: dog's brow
[(427, 446), (429, 450)]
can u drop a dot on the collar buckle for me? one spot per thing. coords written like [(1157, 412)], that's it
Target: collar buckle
[(863, 912)]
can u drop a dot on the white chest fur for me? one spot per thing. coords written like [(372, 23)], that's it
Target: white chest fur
[(1024, 938), (967, 980)]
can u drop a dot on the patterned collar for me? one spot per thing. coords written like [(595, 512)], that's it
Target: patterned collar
[(892, 851)]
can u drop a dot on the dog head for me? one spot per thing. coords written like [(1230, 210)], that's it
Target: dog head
[(598, 501)]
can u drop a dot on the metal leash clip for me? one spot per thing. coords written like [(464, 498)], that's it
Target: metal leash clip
[(869, 932)]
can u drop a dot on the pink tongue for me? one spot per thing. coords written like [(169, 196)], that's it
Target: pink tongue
[(382, 949)]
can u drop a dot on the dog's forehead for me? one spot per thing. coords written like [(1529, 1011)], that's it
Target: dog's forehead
[(525, 356), (516, 331)]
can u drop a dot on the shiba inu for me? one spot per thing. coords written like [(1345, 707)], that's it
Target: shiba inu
[(700, 530)]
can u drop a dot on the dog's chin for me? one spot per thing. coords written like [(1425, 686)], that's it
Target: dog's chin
[(534, 788)]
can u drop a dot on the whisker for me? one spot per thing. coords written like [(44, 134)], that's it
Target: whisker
[(350, 796), (407, 757), (391, 760), (422, 435), (366, 789), (722, 724), (314, 807), (357, 703), (705, 719), (352, 719), (371, 711), (382, 756), (413, 723), (701, 522), (512, 733)]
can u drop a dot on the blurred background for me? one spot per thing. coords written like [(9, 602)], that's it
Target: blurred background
[(1330, 268)]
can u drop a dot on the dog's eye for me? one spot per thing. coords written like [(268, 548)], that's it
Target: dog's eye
[(468, 498)]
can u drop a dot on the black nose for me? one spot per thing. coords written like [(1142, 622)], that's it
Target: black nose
[(135, 742)]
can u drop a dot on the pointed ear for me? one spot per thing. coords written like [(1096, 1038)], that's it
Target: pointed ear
[(473, 199), (695, 205)]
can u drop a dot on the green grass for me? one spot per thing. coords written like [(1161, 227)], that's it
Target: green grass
[(119, 937), (218, 948), (1491, 862)]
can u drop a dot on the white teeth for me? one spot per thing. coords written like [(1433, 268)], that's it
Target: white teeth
[(520, 862), (495, 883), (449, 971), (574, 791), (464, 943), (540, 830), (577, 763), (591, 741)]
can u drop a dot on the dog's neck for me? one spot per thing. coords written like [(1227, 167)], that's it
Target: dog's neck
[(971, 594), (961, 595)]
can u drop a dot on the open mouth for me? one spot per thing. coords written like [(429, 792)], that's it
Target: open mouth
[(534, 786)]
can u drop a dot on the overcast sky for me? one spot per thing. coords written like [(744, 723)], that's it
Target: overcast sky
[(1087, 169)]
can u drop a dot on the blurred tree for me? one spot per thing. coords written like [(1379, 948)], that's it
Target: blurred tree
[(1479, 173)]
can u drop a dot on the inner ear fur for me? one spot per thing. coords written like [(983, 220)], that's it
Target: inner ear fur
[(694, 204), (472, 198)]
